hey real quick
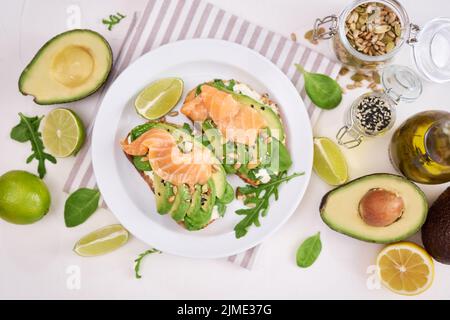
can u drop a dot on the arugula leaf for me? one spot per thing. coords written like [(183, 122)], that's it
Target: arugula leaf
[(138, 261), (80, 205), (309, 251), (113, 20), (258, 197), (28, 130)]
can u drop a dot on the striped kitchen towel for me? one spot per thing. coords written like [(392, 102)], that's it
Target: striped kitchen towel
[(164, 21)]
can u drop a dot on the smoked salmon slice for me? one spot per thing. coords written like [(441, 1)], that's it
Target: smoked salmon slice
[(168, 161), (236, 121)]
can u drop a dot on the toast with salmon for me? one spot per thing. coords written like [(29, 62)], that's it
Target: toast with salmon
[(242, 127), (187, 179)]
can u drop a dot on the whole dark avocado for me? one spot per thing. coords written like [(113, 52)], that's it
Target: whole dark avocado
[(436, 230)]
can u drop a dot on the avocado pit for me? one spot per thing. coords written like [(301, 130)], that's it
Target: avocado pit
[(73, 66), (381, 207)]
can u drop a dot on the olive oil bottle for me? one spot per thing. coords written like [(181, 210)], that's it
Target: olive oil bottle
[(420, 148)]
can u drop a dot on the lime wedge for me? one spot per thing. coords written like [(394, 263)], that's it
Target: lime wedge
[(102, 241), (159, 98), (62, 133), (329, 162)]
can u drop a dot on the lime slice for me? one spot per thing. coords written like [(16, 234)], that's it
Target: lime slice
[(159, 98), (329, 162), (102, 241), (62, 133)]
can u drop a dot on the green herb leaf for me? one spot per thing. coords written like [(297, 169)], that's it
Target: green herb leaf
[(258, 197), (28, 130), (198, 90), (113, 20), (140, 164), (309, 251), (323, 91), (139, 130), (137, 262), (80, 205), (187, 128)]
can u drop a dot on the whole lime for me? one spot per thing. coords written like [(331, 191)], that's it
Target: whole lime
[(24, 198)]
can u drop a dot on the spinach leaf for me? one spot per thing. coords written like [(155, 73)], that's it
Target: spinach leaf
[(221, 208), (187, 128), (136, 132), (323, 91), (80, 205), (228, 196), (140, 164), (28, 130), (309, 251), (198, 90), (280, 159)]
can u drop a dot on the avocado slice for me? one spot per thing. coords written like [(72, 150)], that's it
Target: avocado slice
[(196, 200), (346, 210), (69, 67), (200, 218), (163, 192), (435, 231), (181, 203), (214, 137)]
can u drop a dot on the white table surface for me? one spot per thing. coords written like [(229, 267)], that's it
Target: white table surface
[(36, 260)]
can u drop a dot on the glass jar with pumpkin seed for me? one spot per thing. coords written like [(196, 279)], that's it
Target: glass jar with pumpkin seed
[(367, 34)]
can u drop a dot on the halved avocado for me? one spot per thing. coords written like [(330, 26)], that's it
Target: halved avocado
[(163, 192), (69, 67), (200, 218), (181, 203), (380, 208)]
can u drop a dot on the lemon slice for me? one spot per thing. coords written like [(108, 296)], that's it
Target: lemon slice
[(159, 98), (102, 241), (405, 268), (62, 133), (329, 162)]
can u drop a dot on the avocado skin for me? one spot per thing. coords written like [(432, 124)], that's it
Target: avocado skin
[(324, 200), (436, 230), (42, 50)]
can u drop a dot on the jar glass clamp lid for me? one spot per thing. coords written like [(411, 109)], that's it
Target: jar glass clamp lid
[(373, 113), (431, 50)]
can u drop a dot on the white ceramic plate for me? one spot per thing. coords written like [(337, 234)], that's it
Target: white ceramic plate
[(129, 197)]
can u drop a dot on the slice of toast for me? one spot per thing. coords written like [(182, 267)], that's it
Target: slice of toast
[(148, 180), (267, 101)]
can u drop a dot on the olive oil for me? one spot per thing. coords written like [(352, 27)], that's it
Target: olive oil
[(420, 148)]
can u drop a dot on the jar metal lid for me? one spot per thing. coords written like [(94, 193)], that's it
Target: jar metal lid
[(401, 83)]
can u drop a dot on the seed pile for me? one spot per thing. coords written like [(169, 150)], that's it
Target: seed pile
[(373, 114), (373, 29), (309, 35), (370, 79)]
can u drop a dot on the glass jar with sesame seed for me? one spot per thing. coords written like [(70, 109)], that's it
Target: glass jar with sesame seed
[(373, 113)]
